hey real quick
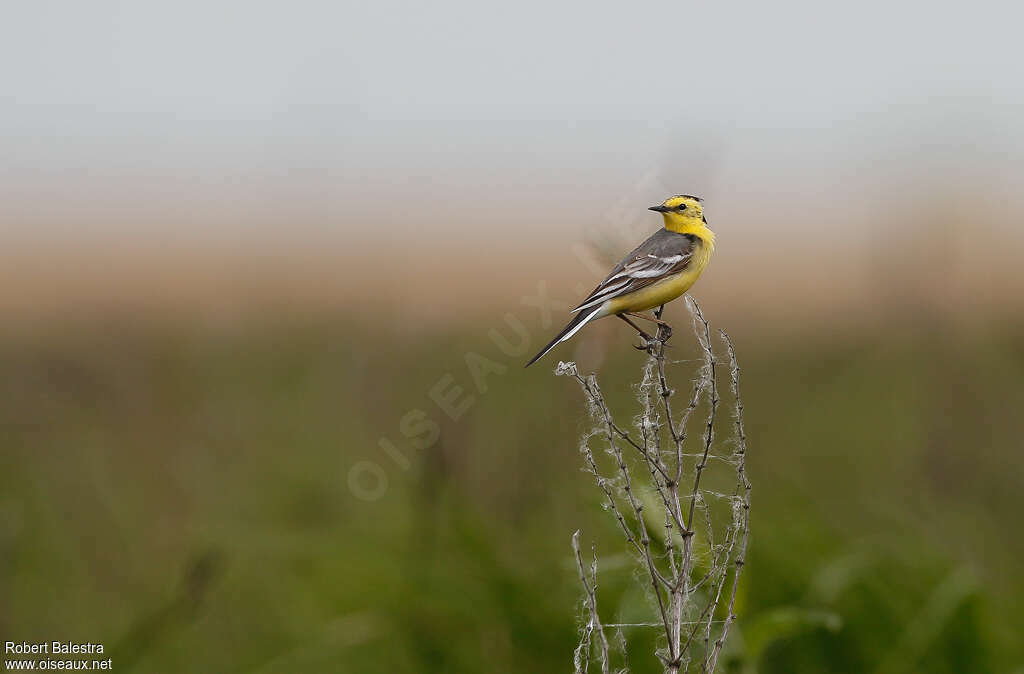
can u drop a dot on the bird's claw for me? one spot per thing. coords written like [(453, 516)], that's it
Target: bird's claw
[(647, 341)]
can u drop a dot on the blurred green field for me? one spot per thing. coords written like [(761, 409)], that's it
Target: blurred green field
[(182, 497)]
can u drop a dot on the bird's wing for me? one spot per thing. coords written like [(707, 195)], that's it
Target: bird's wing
[(665, 253)]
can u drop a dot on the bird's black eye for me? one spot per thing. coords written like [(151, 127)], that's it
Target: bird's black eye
[(681, 207)]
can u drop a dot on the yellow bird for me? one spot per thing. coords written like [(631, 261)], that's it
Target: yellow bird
[(659, 270)]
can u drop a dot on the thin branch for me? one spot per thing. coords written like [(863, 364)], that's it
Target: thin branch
[(598, 400), (742, 485), (642, 546), (710, 431), (594, 625)]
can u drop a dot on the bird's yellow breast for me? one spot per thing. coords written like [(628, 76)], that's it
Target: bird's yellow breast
[(665, 290)]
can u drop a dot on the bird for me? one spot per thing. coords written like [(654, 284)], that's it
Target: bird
[(656, 272)]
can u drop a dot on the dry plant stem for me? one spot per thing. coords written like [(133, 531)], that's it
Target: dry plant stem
[(653, 460), (642, 546), (645, 540), (683, 604), (681, 590), (594, 625), (742, 485), (649, 423), (710, 430), (670, 496)]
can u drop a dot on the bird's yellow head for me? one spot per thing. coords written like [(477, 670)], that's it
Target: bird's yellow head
[(683, 213)]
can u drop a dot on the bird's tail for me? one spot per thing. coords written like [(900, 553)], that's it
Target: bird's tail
[(575, 324)]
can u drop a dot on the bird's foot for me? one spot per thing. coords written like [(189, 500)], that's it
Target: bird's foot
[(647, 341)]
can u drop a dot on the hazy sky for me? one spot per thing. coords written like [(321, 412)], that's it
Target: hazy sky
[(243, 118)]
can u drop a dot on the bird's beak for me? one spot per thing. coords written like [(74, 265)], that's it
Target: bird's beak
[(661, 208)]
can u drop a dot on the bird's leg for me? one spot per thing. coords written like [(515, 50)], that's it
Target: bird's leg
[(664, 329), (653, 319), (643, 335)]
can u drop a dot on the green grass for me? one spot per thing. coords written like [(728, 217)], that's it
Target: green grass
[(182, 498)]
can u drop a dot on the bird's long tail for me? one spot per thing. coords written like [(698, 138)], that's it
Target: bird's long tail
[(574, 325)]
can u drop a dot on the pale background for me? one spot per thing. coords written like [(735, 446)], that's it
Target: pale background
[(227, 154)]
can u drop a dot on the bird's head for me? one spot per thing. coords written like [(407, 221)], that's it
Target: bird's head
[(680, 206), (683, 213)]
